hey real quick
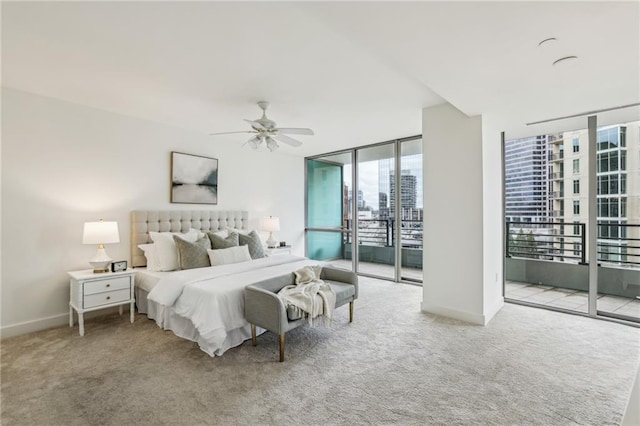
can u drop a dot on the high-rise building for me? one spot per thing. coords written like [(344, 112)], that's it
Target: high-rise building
[(617, 186), (361, 201), (408, 191), (383, 206), (527, 180)]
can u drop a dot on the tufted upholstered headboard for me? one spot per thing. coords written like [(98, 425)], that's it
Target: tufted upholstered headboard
[(144, 221)]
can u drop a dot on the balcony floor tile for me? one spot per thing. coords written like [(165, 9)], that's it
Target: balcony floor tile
[(575, 300)]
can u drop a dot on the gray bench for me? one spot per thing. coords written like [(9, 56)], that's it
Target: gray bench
[(263, 307)]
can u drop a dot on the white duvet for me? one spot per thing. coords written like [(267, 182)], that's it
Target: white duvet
[(213, 298)]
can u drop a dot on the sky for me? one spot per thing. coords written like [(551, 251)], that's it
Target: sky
[(369, 181)]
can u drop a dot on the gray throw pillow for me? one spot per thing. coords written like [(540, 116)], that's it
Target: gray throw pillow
[(252, 239), (193, 255), (217, 242)]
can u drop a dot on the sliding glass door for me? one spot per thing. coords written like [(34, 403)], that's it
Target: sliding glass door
[(328, 234), (376, 248), (411, 210), (572, 214), (356, 217)]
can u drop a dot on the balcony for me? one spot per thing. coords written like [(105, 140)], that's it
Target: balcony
[(376, 242), (557, 175), (556, 139), (552, 270), (376, 248), (557, 157)]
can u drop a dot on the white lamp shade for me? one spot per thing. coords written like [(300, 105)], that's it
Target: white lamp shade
[(100, 233), (270, 224)]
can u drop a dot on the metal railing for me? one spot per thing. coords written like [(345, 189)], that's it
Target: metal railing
[(546, 241), (617, 244), (556, 157), (381, 232)]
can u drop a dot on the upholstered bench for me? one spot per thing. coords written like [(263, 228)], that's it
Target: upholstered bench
[(264, 308)]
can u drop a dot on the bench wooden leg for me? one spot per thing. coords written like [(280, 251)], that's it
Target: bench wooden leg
[(282, 347), (351, 311), (253, 334)]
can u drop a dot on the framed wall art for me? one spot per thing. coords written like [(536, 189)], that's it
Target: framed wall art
[(194, 179)]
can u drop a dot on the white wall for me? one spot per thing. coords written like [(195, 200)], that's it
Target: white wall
[(460, 259), (64, 164), (492, 218)]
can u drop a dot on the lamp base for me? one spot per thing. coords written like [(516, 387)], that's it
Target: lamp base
[(100, 261), (272, 242)]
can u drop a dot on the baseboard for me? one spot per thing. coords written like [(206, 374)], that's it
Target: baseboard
[(51, 322), (632, 413), (452, 313), (493, 310), (34, 325)]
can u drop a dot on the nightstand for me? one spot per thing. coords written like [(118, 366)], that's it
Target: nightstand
[(277, 250), (90, 292)]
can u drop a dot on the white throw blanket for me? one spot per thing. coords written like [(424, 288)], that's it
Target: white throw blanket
[(310, 296)]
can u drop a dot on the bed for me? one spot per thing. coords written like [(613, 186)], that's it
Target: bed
[(203, 305)]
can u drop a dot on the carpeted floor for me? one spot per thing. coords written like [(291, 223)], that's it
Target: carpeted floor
[(393, 365)]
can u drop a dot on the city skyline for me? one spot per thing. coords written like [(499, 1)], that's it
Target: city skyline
[(371, 184)]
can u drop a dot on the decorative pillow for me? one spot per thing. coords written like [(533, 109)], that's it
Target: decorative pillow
[(165, 248), (252, 239), (229, 255), (193, 255), (150, 253), (218, 242), (308, 274)]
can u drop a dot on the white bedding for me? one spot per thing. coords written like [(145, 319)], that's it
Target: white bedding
[(147, 280), (212, 299)]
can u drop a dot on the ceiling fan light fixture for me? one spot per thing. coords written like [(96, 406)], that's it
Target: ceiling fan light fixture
[(271, 144), (265, 131), (254, 142)]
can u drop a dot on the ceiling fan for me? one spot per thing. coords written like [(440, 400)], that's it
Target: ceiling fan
[(265, 131)]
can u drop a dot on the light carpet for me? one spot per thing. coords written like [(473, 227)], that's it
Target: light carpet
[(392, 365)]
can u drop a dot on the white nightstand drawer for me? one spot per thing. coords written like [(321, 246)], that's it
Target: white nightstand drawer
[(108, 284), (106, 298)]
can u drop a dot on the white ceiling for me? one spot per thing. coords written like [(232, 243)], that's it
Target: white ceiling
[(356, 73)]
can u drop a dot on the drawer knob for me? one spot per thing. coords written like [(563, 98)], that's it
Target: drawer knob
[(108, 285), (108, 297)]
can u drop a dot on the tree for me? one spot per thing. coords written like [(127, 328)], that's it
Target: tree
[(524, 245)]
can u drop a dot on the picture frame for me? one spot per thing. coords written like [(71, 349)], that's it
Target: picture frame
[(194, 179)]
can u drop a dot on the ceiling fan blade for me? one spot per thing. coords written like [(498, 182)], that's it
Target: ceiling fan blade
[(230, 133), (287, 140), (255, 125), (295, 131)]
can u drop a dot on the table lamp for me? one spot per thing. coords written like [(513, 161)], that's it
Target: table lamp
[(100, 233), (271, 224)]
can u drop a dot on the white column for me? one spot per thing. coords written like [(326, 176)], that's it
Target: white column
[(460, 200)]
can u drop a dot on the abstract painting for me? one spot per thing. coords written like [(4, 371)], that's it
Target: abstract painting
[(194, 179)]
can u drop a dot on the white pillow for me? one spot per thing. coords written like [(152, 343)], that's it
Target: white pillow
[(150, 253), (222, 234), (197, 231), (166, 251), (229, 255), (239, 231)]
